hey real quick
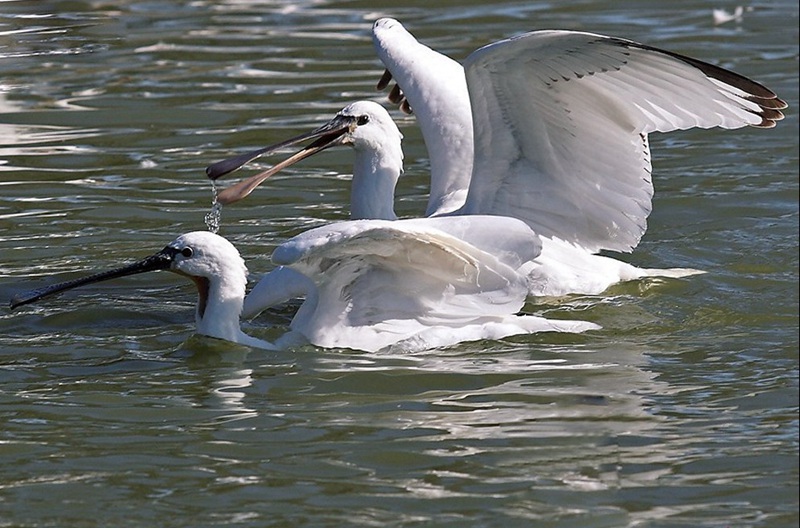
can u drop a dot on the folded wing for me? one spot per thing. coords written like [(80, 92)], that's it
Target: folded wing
[(418, 280)]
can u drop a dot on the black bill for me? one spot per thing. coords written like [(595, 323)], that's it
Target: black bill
[(160, 261)]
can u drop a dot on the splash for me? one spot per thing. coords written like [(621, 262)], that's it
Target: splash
[(213, 218)]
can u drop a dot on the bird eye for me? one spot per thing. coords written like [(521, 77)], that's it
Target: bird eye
[(187, 252), (362, 120)]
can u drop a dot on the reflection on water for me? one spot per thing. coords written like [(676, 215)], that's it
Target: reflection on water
[(231, 398), (682, 411)]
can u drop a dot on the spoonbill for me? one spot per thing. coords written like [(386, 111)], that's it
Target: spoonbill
[(550, 127), (367, 300), (209, 260), (407, 285)]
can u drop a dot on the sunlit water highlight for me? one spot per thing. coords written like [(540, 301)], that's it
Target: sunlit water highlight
[(682, 411)]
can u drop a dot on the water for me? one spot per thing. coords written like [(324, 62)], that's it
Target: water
[(213, 218), (682, 411)]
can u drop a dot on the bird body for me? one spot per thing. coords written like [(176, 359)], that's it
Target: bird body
[(409, 284)]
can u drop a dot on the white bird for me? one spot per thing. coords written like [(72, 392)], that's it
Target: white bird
[(366, 299), (210, 261), (550, 127), (407, 285), (721, 16), (377, 282)]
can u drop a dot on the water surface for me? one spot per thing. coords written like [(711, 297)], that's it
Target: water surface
[(682, 411)]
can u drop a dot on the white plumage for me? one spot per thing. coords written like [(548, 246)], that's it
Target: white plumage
[(557, 125), (210, 261), (407, 284), (550, 127)]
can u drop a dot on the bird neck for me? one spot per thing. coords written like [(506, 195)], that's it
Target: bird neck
[(375, 175), (219, 306)]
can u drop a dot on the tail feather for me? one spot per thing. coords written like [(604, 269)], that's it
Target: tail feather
[(673, 273)]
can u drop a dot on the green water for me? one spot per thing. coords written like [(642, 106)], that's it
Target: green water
[(682, 411)]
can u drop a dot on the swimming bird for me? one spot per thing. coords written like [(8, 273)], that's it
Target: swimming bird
[(550, 127), (407, 285), (366, 298), (209, 260)]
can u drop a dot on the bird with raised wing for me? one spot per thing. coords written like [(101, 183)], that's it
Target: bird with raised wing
[(550, 127), (557, 125)]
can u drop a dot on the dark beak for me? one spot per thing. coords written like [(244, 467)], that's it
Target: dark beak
[(160, 261), (326, 136)]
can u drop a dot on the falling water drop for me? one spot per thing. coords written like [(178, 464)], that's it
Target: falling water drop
[(214, 217)]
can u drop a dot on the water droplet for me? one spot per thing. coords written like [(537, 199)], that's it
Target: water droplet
[(213, 218)]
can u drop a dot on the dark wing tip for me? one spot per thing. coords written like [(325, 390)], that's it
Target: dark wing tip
[(774, 102), (768, 101), (765, 123), (769, 117), (384, 80), (396, 96)]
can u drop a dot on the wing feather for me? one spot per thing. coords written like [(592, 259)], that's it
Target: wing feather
[(379, 282), (561, 120), (435, 86)]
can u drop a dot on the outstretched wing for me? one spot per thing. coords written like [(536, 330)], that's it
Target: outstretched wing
[(561, 120), (436, 89)]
